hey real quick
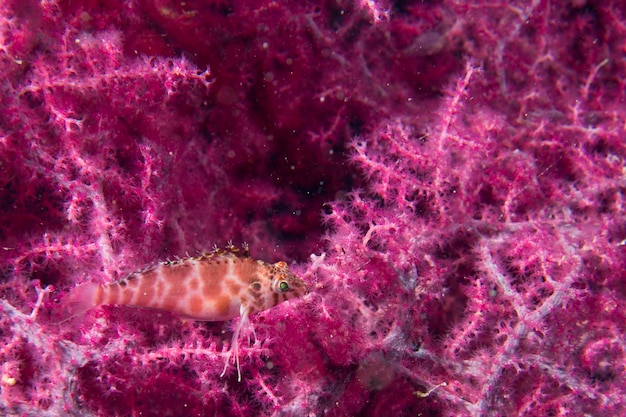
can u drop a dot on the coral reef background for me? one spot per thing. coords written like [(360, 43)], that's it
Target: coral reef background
[(449, 178)]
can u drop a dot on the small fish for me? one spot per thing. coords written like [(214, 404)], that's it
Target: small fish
[(215, 286)]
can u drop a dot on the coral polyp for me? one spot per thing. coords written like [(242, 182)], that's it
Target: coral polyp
[(446, 177)]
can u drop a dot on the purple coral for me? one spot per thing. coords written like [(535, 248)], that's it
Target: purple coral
[(469, 260)]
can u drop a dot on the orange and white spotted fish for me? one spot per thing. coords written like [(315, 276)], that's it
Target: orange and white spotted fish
[(215, 286)]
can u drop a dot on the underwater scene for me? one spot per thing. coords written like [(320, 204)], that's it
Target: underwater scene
[(359, 208)]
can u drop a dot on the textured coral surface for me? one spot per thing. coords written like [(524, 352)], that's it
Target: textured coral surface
[(448, 177)]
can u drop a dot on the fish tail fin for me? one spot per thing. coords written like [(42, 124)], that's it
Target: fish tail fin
[(79, 300)]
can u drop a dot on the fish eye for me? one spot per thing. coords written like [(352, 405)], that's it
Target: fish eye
[(283, 286)]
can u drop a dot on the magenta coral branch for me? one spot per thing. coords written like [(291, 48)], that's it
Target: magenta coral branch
[(447, 177)]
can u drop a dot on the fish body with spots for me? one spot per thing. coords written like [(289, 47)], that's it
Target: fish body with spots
[(215, 286)]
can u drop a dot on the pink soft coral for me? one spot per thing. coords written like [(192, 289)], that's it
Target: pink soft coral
[(472, 272), (472, 261)]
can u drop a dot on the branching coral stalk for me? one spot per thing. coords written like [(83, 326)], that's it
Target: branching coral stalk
[(467, 159)]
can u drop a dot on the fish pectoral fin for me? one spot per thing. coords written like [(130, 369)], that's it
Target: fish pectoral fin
[(234, 342)]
